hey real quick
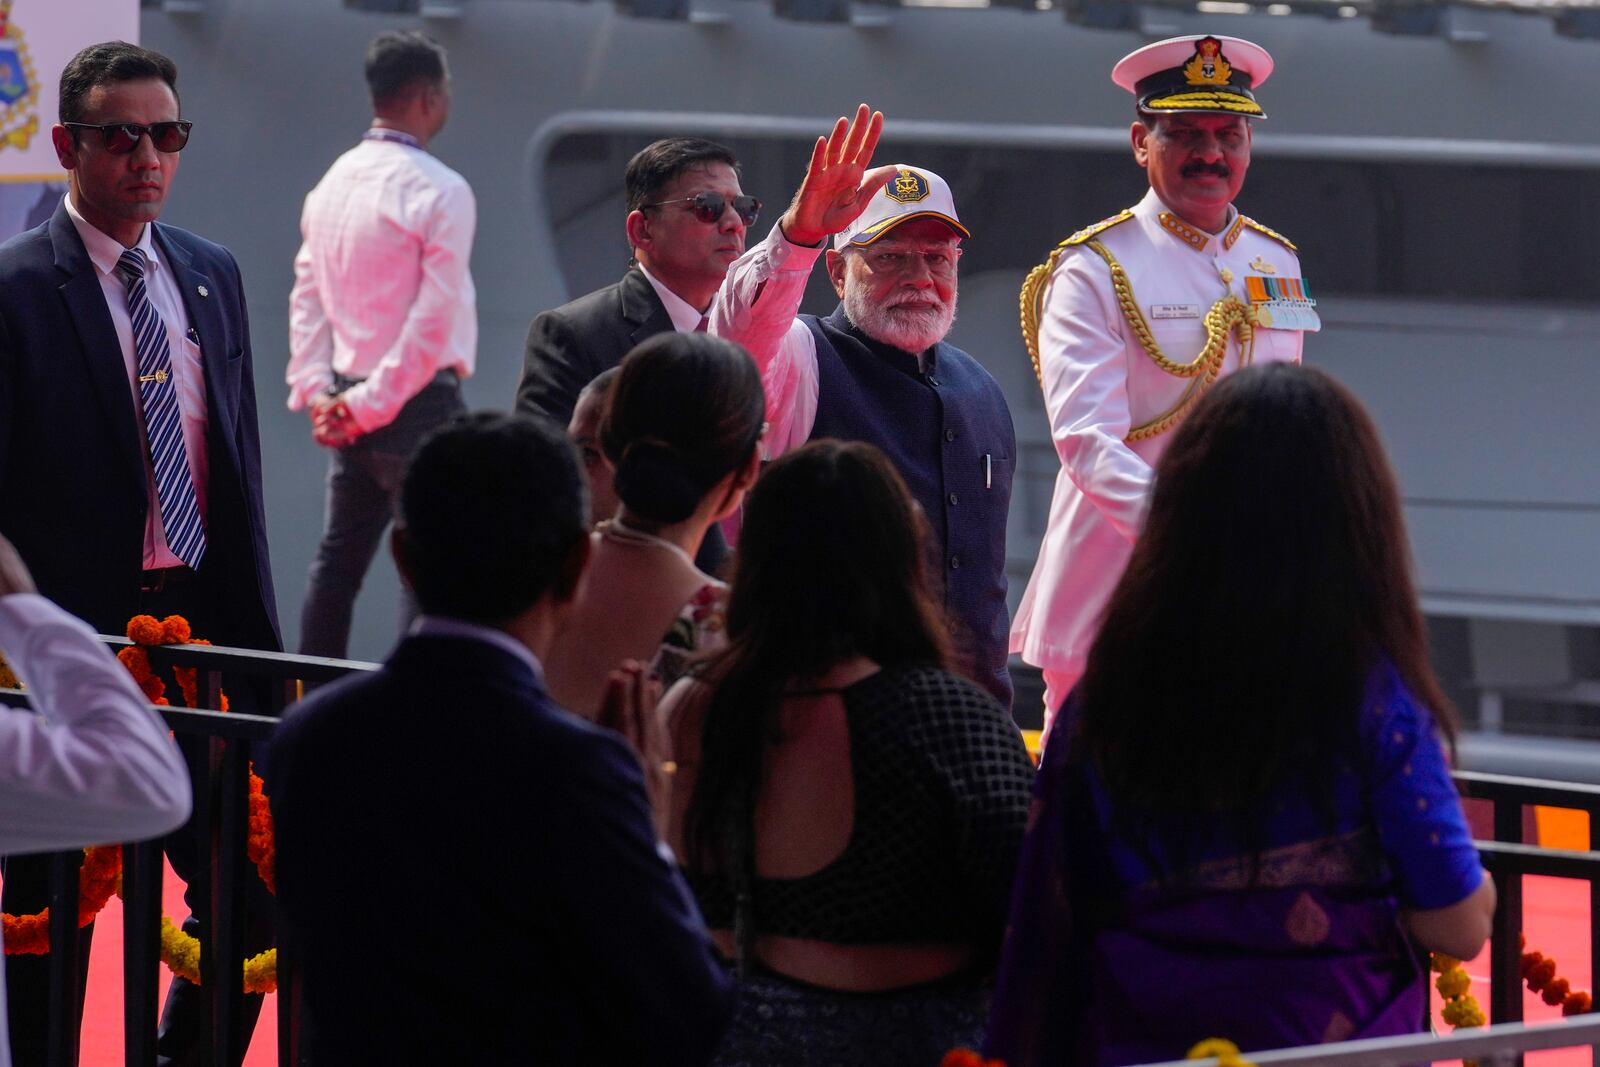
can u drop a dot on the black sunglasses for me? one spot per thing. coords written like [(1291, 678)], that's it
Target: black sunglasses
[(708, 207), (120, 138)]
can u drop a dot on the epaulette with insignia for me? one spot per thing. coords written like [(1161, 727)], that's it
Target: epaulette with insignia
[(1274, 234), (1099, 227)]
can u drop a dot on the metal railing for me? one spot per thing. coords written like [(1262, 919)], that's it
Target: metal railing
[(217, 747), (1487, 1045)]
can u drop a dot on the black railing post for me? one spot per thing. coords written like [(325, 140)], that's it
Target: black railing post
[(1505, 955), (290, 1053), (1593, 811), (226, 981), (196, 749), (66, 978), (141, 950)]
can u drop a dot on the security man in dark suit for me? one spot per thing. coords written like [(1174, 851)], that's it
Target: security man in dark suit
[(129, 458), (540, 919), (687, 218)]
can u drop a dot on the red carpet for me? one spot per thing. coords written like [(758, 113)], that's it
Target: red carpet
[(102, 1010)]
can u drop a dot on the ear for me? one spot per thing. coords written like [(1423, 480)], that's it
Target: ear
[(638, 225), (836, 265), (565, 588), (66, 148), (1141, 144)]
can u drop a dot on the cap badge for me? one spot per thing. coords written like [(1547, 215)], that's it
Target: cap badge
[(1209, 66), (907, 186)]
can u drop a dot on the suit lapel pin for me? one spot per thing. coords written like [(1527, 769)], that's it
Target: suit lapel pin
[(203, 291)]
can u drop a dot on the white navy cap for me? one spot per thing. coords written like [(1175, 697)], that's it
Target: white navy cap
[(913, 193), (1202, 73)]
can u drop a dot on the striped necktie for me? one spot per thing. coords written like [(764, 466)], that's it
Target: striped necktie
[(163, 423)]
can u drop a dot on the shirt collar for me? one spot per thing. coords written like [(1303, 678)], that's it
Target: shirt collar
[(441, 626), (1155, 209), (684, 318), (104, 250)]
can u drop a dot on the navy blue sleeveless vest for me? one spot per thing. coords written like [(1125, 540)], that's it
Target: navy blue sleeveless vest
[(948, 431)]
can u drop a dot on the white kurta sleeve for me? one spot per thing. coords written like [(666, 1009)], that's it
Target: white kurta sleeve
[(93, 764), (758, 307), (1083, 361)]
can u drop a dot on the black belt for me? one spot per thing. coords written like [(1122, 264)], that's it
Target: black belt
[(154, 581), (447, 376)]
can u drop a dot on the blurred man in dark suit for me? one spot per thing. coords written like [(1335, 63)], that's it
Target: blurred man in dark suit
[(554, 928)]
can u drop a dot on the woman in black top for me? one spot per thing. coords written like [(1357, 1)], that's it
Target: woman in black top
[(847, 810)]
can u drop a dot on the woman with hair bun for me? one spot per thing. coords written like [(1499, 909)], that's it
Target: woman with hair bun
[(683, 428)]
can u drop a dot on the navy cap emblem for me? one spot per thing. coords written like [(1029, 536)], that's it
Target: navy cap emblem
[(907, 186), (1209, 66)]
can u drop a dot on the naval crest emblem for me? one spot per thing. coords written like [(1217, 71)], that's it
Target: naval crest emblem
[(19, 85), (1209, 66), (907, 186)]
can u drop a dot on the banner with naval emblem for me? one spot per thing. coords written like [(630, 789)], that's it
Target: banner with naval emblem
[(37, 37)]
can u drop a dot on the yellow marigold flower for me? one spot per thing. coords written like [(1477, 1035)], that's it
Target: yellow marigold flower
[(1443, 963), (1453, 983)]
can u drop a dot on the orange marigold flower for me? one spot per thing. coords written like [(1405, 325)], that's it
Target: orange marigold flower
[(145, 630), (153, 688), (1530, 960), (961, 1057), (175, 630), (1556, 992), (1577, 1003), (1541, 974), (137, 661)]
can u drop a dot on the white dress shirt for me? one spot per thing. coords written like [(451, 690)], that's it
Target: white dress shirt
[(1099, 383), (161, 288), (685, 319), (92, 764), (382, 289), (758, 307)]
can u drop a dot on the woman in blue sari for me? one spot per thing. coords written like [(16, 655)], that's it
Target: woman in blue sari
[(1248, 828)]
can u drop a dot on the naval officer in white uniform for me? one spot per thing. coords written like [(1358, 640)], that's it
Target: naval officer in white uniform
[(1133, 318)]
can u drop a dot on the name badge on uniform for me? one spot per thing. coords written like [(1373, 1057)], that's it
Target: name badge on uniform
[(1282, 304), (1174, 311)]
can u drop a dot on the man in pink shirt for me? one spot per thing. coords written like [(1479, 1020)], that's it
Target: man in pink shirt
[(382, 318)]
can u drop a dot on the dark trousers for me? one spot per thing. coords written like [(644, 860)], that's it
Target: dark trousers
[(27, 889), (363, 486)]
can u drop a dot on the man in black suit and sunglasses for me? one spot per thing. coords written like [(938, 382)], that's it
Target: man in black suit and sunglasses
[(130, 466), (686, 222), (687, 219)]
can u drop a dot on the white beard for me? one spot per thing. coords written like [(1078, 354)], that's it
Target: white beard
[(905, 329)]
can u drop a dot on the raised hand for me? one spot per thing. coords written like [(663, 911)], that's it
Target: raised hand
[(837, 184), (14, 576)]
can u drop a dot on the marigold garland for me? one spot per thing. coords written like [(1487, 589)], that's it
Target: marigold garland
[(180, 951), (1461, 1008), (1539, 971), (98, 878), (8, 679), (1226, 1052), (965, 1057)]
